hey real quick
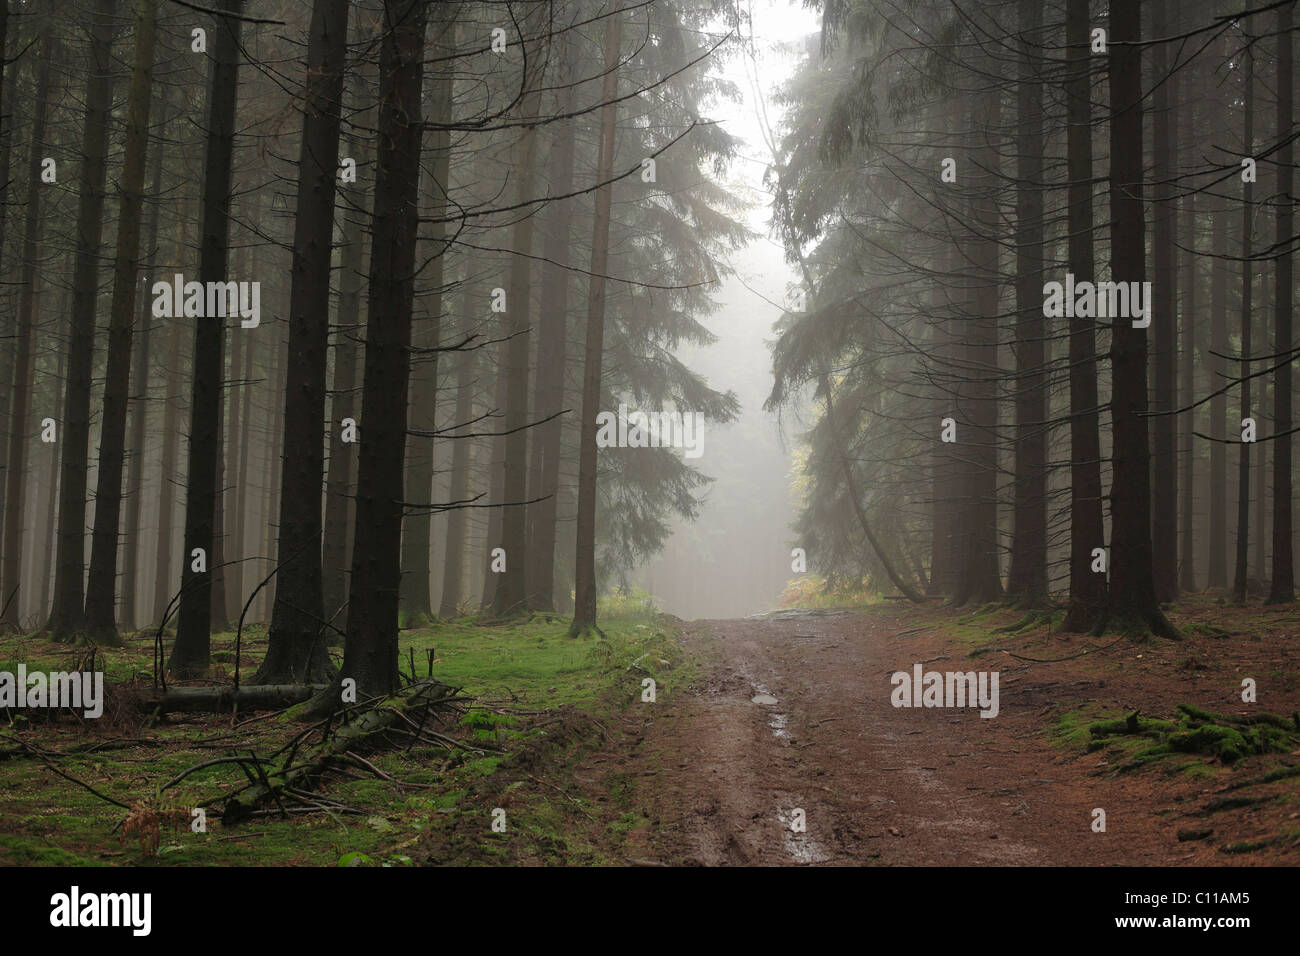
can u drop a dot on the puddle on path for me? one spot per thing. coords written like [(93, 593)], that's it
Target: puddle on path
[(777, 722), (801, 847)]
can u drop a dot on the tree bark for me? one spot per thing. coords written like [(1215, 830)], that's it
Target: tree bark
[(453, 568), (16, 460), (101, 584), (1186, 383), (67, 617), (1241, 571), (548, 396), (370, 649), (222, 700), (7, 329), (1164, 316), (1087, 531), (46, 571), (1027, 577), (296, 645), (946, 480), (190, 654), (511, 594), (132, 538), (1282, 587), (1217, 571), (218, 618), (1132, 596), (164, 568), (274, 465), (980, 580), (239, 434), (584, 611), (342, 471), (496, 471), (416, 596)]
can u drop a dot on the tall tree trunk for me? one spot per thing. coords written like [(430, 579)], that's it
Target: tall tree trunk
[(243, 580), (416, 600), (584, 611), (342, 471), (946, 484), (132, 538), (101, 584), (67, 618), (1087, 587), (274, 465), (296, 649), (190, 654), (370, 649), (1186, 383), (46, 570), (1282, 588), (232, 502), (1132, 596), (1164, 316), (237, 487), (16, 460), (496, 470), (511, 594), (218, 621), (164, 568), (1241, 570), (7, 329), (232, 491), (980, 577), (1027, 578), (453, 568), (1217, 572), (1259, 517), (548, 395)]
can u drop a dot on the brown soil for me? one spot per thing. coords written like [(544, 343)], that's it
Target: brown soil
[(717, 776)]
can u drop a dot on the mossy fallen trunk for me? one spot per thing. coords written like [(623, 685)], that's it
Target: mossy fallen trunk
[(221, 700)]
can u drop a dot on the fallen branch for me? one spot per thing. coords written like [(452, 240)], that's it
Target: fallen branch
[(383, 723)]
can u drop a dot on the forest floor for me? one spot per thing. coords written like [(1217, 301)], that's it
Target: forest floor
[(756, 724), (792, 712), (885, 785)]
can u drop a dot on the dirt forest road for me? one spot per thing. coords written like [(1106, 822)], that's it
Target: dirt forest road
[(794, 713)]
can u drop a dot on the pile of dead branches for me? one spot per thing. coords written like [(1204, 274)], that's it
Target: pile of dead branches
[(288, 781)]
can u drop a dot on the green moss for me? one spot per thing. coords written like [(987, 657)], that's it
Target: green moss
[(1196, 731), (1197, 770), (27, 852), (1132, 724), (527, 664)]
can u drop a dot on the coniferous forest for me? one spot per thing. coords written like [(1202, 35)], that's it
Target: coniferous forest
[(670, 432)]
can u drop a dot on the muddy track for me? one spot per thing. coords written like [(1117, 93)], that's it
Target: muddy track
[(794, 714)]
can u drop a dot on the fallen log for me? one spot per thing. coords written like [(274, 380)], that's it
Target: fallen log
[(220, 700)]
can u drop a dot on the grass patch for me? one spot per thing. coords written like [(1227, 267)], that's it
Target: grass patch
[(522, 674)]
